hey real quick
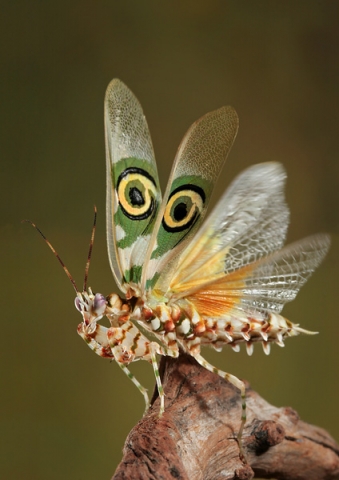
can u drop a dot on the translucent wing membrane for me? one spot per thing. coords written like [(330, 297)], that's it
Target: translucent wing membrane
[(277, 279), (133, 192), (197, 165), (265, 285), (248, 223)]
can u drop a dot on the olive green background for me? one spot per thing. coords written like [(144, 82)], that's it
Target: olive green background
[(64, 411)]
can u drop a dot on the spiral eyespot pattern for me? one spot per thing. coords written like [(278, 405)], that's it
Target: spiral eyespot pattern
[(137, 192), (183, 208)]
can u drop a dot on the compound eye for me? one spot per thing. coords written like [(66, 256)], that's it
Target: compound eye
[(183, 208), (99, 304), (137, 192)]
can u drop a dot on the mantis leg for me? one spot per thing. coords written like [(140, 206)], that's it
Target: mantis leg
[(159, 384), (141, 389)]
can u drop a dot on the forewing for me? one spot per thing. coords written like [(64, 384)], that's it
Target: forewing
[(197, 165), (249, 222), (133, 192), (265, 285)]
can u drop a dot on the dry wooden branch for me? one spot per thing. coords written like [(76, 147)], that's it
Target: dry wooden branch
[(195, 438)]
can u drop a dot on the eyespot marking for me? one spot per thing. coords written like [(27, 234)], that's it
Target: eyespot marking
[(183, 208), (137, 191), (136, 197)]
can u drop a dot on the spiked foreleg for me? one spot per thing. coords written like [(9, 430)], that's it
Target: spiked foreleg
[(98, 338), (238, 384), (95, 336)]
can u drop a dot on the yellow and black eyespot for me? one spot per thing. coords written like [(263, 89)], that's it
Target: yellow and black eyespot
[(183, 208), (137, 192)]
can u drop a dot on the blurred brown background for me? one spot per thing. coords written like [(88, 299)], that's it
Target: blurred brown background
[(64, 411)]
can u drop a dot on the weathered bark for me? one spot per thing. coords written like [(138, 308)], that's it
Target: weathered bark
[(195, 439)]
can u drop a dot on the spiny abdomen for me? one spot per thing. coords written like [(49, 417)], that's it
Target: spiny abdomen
[(183, 322)]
